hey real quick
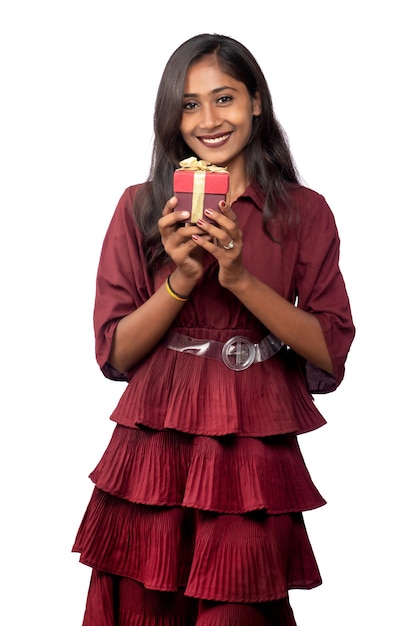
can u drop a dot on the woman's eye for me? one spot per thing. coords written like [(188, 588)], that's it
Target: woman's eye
[(189, 105), (224, 99)]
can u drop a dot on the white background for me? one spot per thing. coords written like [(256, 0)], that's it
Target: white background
[(78, 85)]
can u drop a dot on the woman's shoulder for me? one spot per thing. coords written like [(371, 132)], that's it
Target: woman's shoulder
[(128, 196), (306, 196), (125, 206), (123, 218), (311, 204)]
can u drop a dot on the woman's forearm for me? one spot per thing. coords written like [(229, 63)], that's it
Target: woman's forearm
[(298, 329), (139, 332)]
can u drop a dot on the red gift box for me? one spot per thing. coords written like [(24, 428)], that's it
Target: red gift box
[(199, 186)]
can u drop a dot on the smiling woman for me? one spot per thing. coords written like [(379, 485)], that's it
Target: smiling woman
[(223, 329)]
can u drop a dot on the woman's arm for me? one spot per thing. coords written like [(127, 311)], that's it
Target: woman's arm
[(298, 329), (137, 333)]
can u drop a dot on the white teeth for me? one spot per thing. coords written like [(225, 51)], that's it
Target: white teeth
[(214, 139)]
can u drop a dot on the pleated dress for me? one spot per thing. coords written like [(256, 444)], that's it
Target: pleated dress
[(196, 514)]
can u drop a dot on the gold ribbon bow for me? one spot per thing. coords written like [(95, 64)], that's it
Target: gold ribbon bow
[(193, 164)]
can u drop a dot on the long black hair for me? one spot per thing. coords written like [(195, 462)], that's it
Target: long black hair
[(268, 159)]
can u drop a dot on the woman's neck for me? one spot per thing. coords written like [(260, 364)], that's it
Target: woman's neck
[(238, 180)]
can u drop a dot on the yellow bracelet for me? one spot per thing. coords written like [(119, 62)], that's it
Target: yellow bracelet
[(173, 294)]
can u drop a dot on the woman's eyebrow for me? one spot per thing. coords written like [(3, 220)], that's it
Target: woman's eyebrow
[(214, 91)]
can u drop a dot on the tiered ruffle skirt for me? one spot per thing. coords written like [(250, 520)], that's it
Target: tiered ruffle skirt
[(197, 529)]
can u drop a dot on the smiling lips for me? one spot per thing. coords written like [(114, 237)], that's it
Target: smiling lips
[(214, 140)]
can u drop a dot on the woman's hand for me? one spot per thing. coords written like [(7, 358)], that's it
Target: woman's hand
[(178, 242), (224, 243)]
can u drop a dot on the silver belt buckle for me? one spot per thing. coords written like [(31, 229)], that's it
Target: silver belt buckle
[(238, 353)]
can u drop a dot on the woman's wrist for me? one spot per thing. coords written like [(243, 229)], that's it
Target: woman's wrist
[(175, 294), (180, 287), (238, 284)]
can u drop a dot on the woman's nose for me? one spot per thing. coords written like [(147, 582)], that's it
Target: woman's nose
[(210, 117)]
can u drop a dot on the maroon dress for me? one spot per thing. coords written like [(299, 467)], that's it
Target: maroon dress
[(196, 513)]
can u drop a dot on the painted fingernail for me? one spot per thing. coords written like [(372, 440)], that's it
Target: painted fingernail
[(222, 204), (200, 222), (208, 211), (195, 237)]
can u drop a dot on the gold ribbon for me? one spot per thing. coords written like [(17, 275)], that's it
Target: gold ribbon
[(198, 195), (200, 168), (193, 164)]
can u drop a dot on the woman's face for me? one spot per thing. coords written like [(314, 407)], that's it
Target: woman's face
[(217, 113)]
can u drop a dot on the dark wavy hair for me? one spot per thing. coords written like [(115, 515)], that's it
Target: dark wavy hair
[(269, 162)]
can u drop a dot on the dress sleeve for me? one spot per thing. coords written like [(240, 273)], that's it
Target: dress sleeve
[(321, 290), (122, 283)]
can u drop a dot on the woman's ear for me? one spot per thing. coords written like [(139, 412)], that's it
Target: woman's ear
[(256, 104)]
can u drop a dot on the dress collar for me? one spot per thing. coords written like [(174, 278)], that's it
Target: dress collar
[(256, 194)]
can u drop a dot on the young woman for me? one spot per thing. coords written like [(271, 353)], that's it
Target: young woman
[(223, 329)]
